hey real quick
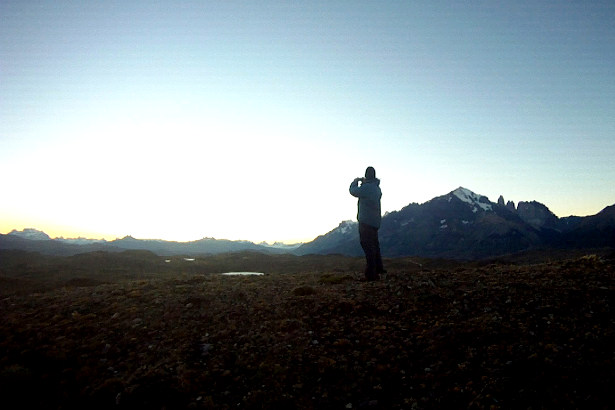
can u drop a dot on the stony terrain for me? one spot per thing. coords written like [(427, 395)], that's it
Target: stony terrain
[(133, 331)]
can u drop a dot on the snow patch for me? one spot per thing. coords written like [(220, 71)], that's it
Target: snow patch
[(471, 198), (346, 227)]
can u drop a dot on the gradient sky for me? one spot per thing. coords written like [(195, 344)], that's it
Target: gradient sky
[(249, 119)]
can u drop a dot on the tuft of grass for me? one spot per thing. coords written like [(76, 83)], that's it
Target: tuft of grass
[(593, 258), (304, 291), (333, 279)]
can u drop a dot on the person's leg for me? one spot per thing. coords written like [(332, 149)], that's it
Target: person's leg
[(369, 241), (379, 265)]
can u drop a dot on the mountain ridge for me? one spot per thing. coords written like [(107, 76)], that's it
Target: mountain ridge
[(34, 240), (466, 225), (458, 225)]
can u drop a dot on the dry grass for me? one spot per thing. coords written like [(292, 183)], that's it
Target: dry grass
[(126, 331)]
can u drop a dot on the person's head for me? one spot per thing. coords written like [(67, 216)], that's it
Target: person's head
[(370, 173)]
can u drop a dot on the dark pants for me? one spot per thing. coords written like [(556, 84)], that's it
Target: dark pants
[(371, 246)]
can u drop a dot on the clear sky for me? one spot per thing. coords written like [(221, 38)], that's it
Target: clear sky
[(249, 119)]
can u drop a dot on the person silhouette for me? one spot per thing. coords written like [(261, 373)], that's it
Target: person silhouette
[(369, 217)]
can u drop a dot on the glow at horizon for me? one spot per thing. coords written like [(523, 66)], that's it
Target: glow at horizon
[(240, 120)]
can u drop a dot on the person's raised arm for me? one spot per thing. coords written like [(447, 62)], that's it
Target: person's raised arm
[(355, 189)]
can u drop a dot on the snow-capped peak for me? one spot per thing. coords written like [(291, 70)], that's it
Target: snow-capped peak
[(281, 245), (31, 234), (471, 198), (345, 226)]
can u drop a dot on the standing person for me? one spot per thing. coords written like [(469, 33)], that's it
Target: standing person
[(369, 217)]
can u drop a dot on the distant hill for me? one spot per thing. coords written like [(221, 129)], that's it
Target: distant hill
[(18, 241), (38, 241), (201, 246)]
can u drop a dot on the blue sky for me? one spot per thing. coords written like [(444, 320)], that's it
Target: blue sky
[(248, 120)]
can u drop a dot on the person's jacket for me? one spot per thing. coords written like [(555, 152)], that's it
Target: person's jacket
[(369, 195)]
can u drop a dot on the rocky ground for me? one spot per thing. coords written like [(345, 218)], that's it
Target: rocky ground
[(99, 332)]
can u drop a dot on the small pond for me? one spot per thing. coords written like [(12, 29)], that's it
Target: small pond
[(243, 274)]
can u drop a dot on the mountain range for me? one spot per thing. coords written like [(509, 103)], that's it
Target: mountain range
[(465, 225), (37, 241), (458, 225)]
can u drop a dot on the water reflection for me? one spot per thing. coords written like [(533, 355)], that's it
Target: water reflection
[(243, 274)]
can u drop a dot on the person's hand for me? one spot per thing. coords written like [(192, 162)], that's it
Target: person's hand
[(358, 180)]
